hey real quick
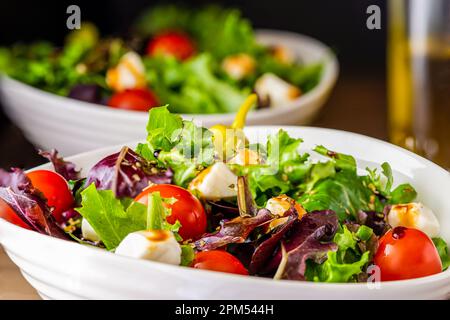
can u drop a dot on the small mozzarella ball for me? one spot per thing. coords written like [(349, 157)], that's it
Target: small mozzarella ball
[(88, 232), (155, 245), (239, 66), (215, 182), (275, 90), (414, 215), (128, 74), (245, 157)]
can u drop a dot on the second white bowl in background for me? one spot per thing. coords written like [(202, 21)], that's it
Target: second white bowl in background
[(71, 126)]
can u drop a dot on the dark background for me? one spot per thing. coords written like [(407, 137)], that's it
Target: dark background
[(357, 104)]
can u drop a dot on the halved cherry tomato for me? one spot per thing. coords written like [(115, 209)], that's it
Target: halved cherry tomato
[(54, 187), (9, 215), (187, 209), (172, 43), (134, 99), (218, 260), (406, 253)]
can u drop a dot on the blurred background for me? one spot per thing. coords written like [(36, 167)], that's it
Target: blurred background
[(358, 102)]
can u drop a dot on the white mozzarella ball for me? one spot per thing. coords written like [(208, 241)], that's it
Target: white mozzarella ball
[(414, 215), (155, 245), (88, 232), (215, 182), (275, 90)]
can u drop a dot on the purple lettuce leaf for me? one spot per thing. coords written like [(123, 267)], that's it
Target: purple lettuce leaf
[(310, 249), (28, 203), (218, 211), (66, 169), (86, 92), (15, 179), (305, 239), (126, 174), (236, 230), (265, 249), (375, 220)]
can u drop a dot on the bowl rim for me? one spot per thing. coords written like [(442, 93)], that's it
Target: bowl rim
[(442, 276), (327, 81)]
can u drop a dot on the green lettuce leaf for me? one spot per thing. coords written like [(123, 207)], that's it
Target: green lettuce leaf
[(163, 128), (108, 216), (113, 219), (336, 185), (181, 145), (333, 270), (342, 265), (282, 170), (227, 97), (442, 249), (187, 255), (217, 30), (157, 214)]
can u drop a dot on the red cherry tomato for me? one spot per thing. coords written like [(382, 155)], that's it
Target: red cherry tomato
[(134, 99), (218, 260), (55, 189), (171, 43), (406, 253), (187, 209), (9, 215)]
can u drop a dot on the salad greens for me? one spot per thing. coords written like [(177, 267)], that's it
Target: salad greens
[(287, 218), (220, 31), (179, 145), (198, 83)]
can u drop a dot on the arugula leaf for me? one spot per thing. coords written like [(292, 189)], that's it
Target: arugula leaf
[(108, 216), (442, 249), (342, 161), (344, 193), (387, 171), (403, 193)]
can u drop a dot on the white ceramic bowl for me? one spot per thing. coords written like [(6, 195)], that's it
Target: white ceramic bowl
[(61, 269), (71, 126)]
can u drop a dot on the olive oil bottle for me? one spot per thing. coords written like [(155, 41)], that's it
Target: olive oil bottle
[(419, 77)]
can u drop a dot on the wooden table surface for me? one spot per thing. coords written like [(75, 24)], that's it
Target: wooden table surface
[(358, 104)]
